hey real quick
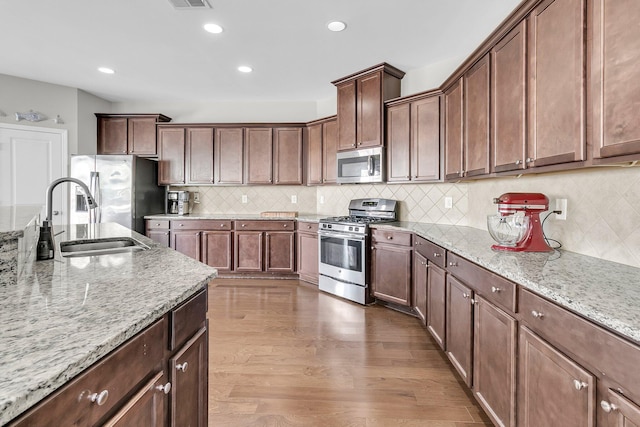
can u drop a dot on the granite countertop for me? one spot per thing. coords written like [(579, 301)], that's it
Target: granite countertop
[(605, 292), (67, 313), (14, 219), (239, 217)]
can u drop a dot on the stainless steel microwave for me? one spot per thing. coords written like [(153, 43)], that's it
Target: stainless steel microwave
[(361, 166)]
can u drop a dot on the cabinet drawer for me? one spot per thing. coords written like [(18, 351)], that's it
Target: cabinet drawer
[(604, 353), (155, 223), (113, 378), (187, 319), (309, 227), (430, 251), (265, 225), (391, 237), (491, 286), (200, 224)]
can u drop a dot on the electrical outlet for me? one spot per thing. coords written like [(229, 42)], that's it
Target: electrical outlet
[(322, 200), (294, 199), (244, 198), (196, 197), (561, 205), (448, 202)]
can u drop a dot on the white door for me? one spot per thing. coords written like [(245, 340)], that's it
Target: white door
[(30, 158)]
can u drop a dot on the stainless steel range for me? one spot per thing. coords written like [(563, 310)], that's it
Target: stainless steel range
[(344, 248)]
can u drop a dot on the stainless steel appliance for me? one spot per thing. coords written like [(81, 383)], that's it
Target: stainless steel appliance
[(344, 248), (178, 202), (125, 188), (361, 166)]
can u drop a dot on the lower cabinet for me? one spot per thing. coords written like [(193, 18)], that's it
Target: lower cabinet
[(460, 328), (264, 246), (217, 249), (307, 260), (146, 407), (391, 258), (419, 285), (436, 304), (158, 231), (618, 411)]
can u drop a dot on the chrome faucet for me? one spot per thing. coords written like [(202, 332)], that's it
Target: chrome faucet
[(46, 245)]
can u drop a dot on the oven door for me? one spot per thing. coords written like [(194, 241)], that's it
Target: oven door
[(343, 256)]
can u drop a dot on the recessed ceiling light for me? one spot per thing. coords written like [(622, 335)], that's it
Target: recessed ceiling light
[(106, 70), (336, 26), (213, 28), (245, 69)]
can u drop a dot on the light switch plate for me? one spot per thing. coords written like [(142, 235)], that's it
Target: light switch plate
[(244, 198), (448, 202), (294, 199)]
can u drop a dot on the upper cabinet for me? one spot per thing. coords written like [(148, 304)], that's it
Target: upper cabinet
[(287, 153), (476, 119), (361, 99), (185, 155), (171, 155), (322, 138), (258, 156), (454, 131), (228, 156), (128, 133), (615, 48)]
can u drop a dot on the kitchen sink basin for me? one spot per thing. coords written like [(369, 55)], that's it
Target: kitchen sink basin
[(106, 246)]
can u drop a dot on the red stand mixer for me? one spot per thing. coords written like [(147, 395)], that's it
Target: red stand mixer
[(517, 225)]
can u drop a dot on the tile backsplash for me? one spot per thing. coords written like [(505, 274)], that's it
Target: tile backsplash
[(603, 215)]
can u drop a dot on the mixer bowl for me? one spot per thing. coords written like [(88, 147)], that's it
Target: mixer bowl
[(508, 230)]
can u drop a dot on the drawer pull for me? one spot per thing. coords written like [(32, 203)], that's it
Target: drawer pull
[(453, 264), (309, 227), (243, 225), (465, 295), (157, 224), (579, 385), (164, 388), (423, 263), (608, 407), (495, 290), (285, 225), (389, 237), (99, 398), (537, 314), (437, 255), (417, 243), (181, 225), (182, 367), (221, 225), (474, 301)]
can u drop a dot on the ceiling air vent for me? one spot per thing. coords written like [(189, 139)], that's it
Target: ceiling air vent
[(190, 4)]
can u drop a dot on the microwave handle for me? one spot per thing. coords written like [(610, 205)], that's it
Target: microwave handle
[(370, 165)]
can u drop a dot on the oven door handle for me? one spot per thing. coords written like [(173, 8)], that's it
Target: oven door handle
[(341, 235)]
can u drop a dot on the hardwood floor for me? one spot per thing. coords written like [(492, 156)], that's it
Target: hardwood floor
[(282, 353)]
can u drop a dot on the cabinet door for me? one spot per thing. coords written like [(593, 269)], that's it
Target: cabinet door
[(508, 89), (369, 111), (556, 83), (552, 389), (171, 156), (399, 142), (494, 362), (217, 249), (280, 251), (419, 279), (189, 369), (459, 330), (160, 236), (425, 139), (453, 134), (186, 242), (287, 155), (142, 136), (112, 135), (145, 408), (314, 154), (614, 76), (228, 155), (248, 250), (329, 151), (391, 273), (476, 119), (619, 411), (199, 154), (436, 304), (258, 156), (307, 257), (347, 115)]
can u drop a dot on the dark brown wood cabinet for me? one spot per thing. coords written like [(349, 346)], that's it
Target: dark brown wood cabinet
[(476, 119), (128, 133), (217, 248), (314, 154), (208, 241), (146, 407), (287, 156), (436, 304), (618, 411), (454, 132), (171, 156), (420, 276), (199, 155), (307, 260), (279, 251), (321, 151), (615, 47), (391, 262), (158, 231), (360, 105), (248, 251), (228, 156), (429, 286), (264, 246), (186, 242), (459, 329), (185, 155), (329, 151), (258, 160)]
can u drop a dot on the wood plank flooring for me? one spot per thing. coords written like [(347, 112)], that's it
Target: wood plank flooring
[(282, 353)]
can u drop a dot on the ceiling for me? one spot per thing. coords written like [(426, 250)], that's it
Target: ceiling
[(161, 53)]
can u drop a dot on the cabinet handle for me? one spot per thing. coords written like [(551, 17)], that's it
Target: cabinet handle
[(579, 385), (437, 255), (243, 225), (157, 224), (530, 160), (416, 243), (474, 301), (423, 263), (537, 314), (495, 290), (309, 227), (182, 367), (164, 388), (453, 264), (465, 295), (518, 162), (608, 407), (99, 398), (181, 225), (285, 225), (221, 225), (389, 237)]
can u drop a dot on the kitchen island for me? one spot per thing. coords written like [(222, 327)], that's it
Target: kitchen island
[(65, 314)]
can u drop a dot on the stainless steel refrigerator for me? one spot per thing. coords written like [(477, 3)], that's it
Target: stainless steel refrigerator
[(125, 188)]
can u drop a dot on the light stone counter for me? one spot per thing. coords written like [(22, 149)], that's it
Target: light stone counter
[(239, 217), (67, 313), (605, 292)]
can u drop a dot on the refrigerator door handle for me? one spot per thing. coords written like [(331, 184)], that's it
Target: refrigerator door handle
[(94, 188)]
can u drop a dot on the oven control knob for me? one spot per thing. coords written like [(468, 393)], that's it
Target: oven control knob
[(350, 228), (329, 226), (356, 229)]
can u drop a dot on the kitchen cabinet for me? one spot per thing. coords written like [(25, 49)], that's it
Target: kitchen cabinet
[(419, 278), (264, 246), (186, 242), (228, 156), (158, 231), (508, 100), (146, 407), (185, 155), (330, 151), (557, 83), (314, 154), (454, 132), (279, 251), (459, 330), (171, 155), (321, 152), (413, 138), (199, 155), (287, 156), (208, 241), (360, 105), (258, 156), (430, 287), (553, 389), (307, 255), (391, 261), (217, 248), (476, 119), (436, 304), (128, 133), (619, 411), (615, 47), (248, 251)]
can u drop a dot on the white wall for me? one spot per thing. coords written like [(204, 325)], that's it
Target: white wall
[(88, 105), (429, 77)]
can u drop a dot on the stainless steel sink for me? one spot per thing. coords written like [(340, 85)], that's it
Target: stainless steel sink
[(106, 246)]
